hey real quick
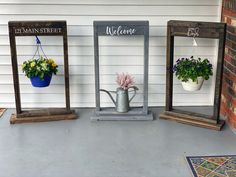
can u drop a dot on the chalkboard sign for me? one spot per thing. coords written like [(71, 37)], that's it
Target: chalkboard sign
[(39, 28), (32, 28), (121, 28)]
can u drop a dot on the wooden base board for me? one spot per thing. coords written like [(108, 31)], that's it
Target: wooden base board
[(149, 116), (2, 110), (193, 122), (45, 118)]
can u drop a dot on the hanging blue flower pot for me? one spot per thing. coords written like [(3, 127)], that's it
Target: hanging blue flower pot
[(37, 82)]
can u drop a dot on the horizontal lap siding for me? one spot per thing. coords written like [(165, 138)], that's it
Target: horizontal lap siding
[(116, 54)]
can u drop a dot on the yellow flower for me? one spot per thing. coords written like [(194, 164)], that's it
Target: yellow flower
[(23, 65), (54, 65), (50, 61), (32, 64), (44, 66)]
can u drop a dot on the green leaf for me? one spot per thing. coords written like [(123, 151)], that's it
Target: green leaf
[(190, 68)]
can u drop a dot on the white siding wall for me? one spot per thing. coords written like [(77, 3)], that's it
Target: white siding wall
[(117, 54)]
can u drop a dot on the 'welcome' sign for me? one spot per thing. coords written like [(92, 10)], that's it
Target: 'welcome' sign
[(120, 28), (116, 29)]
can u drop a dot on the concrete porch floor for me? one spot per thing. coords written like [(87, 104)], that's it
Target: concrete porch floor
[(81, 148)]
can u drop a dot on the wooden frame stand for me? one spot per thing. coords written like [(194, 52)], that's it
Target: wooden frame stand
[(121, 28), (205, 30), (39, 28)]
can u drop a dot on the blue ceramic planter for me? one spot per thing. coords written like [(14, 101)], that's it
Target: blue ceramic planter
[(37, 82)]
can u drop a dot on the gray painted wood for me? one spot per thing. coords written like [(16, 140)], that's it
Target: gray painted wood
[(109, 111), (96, 68), (121, 28), (125, 118)]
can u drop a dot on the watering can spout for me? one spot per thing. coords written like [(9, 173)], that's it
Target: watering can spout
[(109, 94)]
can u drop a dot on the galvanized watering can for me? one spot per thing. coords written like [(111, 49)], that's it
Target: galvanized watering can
[(122, 98)]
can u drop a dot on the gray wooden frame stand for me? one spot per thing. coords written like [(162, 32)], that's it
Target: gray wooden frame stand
[(101, 28), (39, 28), (205, 30)]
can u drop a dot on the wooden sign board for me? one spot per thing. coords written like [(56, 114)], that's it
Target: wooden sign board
[(199, 30), (121, 28), (39, 28)]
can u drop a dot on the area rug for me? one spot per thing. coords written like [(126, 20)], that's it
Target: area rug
[(213, 166), (2, 110)]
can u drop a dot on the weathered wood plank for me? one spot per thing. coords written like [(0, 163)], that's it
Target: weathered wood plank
[(15, 120), (42, 28), (39, 28), (191, 115), (193, 122), (44, 112)]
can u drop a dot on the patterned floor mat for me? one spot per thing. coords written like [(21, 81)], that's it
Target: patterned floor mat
[(213, 166)]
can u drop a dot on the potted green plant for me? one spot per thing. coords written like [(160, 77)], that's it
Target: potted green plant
[(192, 72), (40, 71)]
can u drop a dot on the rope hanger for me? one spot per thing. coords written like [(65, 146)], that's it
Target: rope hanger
[(38, 48), (194, 32)]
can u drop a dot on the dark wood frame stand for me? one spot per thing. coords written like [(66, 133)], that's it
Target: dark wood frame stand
[(39, 28), (205, 30), (135, 28)]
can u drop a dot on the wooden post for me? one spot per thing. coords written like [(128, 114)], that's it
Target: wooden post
[(169, 66), (66, 69), (219, 75), (96, 68), (146, 64), (15, 69)]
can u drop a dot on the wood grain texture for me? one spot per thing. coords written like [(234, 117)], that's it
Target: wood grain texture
[(33, 28), (206, 30), (193, 122), (44, 112), (15, 120)]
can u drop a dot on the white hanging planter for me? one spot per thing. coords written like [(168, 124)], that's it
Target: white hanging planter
[(193, 86)]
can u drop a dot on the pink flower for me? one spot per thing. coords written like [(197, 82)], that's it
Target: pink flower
[(125, 81)]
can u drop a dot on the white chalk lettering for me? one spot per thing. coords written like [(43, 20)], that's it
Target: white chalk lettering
[(116, 31), (17, 31), (24, 30)]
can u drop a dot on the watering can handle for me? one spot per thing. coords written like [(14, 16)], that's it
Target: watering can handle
[(134, 89), (109, 93)]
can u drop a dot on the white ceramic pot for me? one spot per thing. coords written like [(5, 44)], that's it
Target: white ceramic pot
[(193, 86)]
